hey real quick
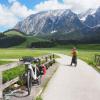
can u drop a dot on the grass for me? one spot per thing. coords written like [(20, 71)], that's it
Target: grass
[(4, 62), (39, 98), (18, 53), (12, 73), (13, 33), (83, 53), (81, 46), (29, 40)]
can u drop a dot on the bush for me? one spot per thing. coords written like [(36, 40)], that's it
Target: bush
[(6, 41), (42, 44)]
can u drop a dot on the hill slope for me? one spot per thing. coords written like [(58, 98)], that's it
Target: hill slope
[(11, 38), (14, 38)]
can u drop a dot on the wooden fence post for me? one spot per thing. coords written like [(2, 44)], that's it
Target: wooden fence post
[(50, 57), (39, 61), (1, 91), (46, 58), (97, 60), (53, 56)]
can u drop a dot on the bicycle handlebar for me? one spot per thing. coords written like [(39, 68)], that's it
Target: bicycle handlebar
[(29, 59)]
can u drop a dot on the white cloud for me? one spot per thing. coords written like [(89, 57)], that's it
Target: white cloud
[(20, 10), (82, 5), (6, 17), (9, 16), (50, 5), (74, 5)]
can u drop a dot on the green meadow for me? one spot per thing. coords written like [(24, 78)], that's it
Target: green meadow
[(85, 52), (18, 53)]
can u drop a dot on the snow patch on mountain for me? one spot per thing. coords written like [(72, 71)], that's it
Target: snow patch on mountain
[(84, 15)]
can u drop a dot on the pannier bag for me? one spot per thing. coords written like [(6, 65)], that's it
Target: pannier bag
[(42, 69)]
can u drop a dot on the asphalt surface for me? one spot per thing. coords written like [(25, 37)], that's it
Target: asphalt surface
[(73, 83)]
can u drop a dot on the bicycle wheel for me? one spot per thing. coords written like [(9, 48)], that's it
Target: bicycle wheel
[(29, 82)]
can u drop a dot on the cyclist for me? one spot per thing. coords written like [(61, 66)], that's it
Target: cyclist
[(74, 57)]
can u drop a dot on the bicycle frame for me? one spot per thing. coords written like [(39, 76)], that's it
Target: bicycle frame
[(31, 73), (30, 67)]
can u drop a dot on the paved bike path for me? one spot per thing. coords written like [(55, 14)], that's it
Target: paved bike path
[(73, 83)]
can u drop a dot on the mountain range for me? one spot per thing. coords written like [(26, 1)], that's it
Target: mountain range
[(62, 24)]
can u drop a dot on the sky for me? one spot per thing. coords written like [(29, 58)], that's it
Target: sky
[(13, 11)]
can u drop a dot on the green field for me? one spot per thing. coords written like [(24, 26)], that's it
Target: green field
[(17, 45), (4, 62), (83, 53), (18, 53), (13, 33)]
